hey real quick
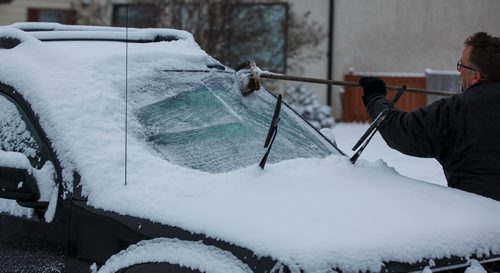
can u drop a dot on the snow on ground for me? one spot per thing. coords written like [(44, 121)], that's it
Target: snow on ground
[(425, 169)]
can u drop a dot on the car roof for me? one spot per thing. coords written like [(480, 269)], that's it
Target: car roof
[(59, 32), (311, 214)]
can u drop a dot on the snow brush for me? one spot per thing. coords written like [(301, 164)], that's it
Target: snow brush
[(250, 76)]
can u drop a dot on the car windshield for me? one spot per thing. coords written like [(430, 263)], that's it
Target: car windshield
[(200, 120)]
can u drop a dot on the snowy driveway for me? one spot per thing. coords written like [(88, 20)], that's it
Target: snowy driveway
[(425, 169)]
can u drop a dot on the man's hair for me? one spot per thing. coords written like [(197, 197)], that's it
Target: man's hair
[(485, 54)]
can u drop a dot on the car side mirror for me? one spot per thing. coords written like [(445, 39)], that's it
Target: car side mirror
[(16, 178)]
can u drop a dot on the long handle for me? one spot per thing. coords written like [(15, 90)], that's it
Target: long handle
[(350, 84)]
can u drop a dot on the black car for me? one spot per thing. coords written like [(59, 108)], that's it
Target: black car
[(132, 150)]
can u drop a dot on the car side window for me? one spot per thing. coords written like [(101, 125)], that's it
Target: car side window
[(17, 134)]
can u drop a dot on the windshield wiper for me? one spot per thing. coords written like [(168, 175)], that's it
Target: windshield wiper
[(271, 133), (367, 136)]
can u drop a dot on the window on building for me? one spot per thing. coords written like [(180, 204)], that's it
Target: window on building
[(259, 33), (139, 15), (231, 32), (62, 16), (237, 32)]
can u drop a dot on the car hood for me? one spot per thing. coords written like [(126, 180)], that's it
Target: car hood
[(314, 214)]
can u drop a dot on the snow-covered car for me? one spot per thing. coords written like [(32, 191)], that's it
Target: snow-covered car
[(135, 151)]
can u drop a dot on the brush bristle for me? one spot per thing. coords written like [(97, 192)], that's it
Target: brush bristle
[(247, 78)]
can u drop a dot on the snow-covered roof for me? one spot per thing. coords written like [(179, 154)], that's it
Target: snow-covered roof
[(402, 74), (441, 72), (312, 213), (352, 71)]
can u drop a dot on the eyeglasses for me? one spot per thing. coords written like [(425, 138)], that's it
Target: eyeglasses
[(459, 64)]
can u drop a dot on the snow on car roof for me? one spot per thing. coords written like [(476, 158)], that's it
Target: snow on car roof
[(58, 31), (315, 214)]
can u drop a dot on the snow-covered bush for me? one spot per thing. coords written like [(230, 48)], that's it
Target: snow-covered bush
[(306, 104)]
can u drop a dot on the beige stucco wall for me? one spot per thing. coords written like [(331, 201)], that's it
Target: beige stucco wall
[(17, 10), (406, 35), (318, 68), (395, 35)]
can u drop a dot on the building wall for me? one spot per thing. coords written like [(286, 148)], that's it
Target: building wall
[(318, 68), (406, 35), (369, 35), (17, 10)]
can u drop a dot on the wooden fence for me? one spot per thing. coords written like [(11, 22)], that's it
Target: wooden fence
[(354, 110)]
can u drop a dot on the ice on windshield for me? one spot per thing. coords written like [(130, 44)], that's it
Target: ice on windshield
[(202, 123)]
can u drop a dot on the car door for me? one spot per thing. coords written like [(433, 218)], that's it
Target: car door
[(32, 234)]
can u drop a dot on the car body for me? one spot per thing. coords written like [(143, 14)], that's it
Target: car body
[(132, 150)]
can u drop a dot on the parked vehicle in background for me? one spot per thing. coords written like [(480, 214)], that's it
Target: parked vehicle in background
[(134, 151)]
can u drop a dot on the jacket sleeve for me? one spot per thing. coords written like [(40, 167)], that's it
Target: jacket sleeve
[(424, 132)]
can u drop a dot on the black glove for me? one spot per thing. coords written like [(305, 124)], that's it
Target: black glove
[(372, 87)]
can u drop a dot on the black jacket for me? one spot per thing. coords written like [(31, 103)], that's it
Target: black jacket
[(462, 132)]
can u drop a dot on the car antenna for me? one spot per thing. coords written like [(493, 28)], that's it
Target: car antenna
[(126, 89), (367, 136), (273, 130)]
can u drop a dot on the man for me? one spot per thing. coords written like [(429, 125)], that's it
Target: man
[(462, 131)]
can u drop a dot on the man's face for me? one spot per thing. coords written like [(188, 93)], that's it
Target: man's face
[(469, 75)]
